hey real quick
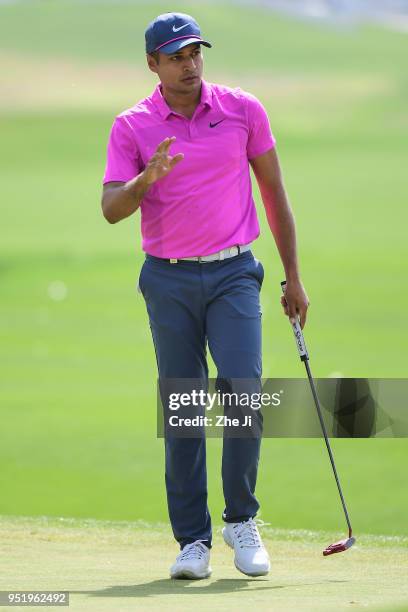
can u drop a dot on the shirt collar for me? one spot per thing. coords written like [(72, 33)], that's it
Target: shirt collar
[(165, 110)]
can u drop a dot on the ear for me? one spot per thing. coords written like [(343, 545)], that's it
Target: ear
[(151, 62)]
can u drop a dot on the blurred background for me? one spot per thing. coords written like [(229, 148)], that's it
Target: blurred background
[(78, 370)]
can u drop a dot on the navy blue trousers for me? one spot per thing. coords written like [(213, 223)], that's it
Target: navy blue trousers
[(190, 305)]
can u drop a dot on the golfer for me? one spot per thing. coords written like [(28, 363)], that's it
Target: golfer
[(183, 155)]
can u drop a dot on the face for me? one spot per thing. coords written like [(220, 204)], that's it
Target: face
[(181, 71)]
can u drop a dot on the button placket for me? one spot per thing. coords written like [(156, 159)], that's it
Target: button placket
[(193, 129)]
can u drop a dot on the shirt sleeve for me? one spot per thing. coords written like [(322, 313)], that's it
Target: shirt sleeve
[(260, 137), (123, 159)]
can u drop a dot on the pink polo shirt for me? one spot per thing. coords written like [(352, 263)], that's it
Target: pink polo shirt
[(205, 203)]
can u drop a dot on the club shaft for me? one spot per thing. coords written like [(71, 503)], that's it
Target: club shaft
[(326, 439)]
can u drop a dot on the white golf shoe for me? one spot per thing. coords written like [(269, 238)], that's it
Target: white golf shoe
[(192, 562), (251, 556)]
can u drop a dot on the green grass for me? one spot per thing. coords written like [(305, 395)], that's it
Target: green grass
[(77, 393), (111, 566), (114, 31)]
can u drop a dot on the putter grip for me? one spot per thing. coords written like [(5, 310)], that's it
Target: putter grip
[(297, 331)]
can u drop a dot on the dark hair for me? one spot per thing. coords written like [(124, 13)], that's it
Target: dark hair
[(156, 56)]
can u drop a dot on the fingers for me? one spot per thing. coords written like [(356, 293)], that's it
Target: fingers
[(303, 316), (292, 311), (164, 146), (295, 303), (176, 159), (303, 306), (284, 305)]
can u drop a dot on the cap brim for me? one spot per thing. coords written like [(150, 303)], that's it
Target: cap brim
[(175, 46)]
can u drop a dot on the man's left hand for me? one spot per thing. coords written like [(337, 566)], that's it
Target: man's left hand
[(295, 301)]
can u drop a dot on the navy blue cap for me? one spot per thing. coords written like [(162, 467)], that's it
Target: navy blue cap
[(172, 31)]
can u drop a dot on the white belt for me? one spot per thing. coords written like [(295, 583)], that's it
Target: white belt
[(224, 254)]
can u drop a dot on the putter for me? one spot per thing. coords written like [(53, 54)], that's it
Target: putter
[(304, 356)]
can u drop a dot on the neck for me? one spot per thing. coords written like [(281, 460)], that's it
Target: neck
[(181, 101)]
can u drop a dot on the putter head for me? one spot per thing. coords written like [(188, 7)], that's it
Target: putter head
[(339, 546)]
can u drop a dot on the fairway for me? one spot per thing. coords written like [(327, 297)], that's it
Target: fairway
[(124, 566)]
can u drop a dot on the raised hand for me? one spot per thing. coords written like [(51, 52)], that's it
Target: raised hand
[(161, 163)]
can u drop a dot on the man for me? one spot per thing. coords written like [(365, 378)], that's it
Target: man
[(182, 155)]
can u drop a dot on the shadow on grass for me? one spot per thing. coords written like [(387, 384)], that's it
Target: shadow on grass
[(183, 587)]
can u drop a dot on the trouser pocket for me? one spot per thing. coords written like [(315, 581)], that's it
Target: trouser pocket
[(139, 280)]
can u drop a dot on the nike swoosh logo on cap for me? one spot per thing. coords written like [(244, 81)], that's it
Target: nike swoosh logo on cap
[(180, 28)]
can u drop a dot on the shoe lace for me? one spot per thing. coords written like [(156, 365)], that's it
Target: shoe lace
[(195, 550), (247, 533)]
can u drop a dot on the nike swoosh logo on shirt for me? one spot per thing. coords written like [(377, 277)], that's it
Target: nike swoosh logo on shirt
[(214, 124), (180, 28)]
